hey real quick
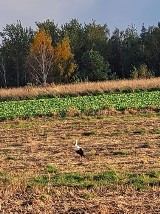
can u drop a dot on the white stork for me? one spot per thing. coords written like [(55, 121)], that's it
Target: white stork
[(79, 150)]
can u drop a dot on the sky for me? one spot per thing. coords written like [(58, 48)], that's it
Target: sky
[(114, 13)]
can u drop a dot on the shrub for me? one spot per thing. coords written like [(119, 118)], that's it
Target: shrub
[(141, 72)]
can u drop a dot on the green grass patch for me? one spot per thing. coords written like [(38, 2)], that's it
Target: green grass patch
[(88, 180), (41, 180), (105, 178), (51, 168), (142, 181)]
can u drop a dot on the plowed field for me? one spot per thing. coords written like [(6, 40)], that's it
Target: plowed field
[(124, 143)]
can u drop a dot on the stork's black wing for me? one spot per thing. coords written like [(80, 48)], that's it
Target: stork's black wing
[(80, 152)]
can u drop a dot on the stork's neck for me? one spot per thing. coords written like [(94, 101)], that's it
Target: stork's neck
[(76, 143)]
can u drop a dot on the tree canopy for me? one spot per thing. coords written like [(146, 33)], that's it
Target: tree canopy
[(41, 57), (64, 62), (76, 52)]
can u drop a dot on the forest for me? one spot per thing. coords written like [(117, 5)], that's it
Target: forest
[(76, 52)]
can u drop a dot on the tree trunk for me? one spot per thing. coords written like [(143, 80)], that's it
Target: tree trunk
[(3, 72)]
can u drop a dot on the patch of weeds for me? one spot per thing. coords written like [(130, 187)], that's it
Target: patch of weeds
[(145, 145), (139, 131), (137, 181), (121, 152), (143, 181), (51, 168), (86, 195), (69, 179), (153, 178), (77, 180), (9, 157), (155, 131), (41, 180), (154, 174), (88, 181), (74, 177), (109, 176), (154, 182), (89, 133), (112, 134), (4, 179), (88, 184)]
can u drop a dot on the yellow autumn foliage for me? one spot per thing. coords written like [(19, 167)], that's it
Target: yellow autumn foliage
[(41, 57), (42, 44), (49, 64), (64, 61)]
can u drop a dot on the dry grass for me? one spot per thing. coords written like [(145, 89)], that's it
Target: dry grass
[(124, 143), (86, 88)]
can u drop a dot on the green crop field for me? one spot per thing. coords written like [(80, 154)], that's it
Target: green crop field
[(40, 107)]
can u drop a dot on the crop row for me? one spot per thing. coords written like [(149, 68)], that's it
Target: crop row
[(119, 101)]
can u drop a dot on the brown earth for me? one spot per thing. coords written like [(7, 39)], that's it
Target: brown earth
[(125, 143)]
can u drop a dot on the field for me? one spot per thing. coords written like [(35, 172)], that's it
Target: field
[(119, 133), (93, 104), (41, 173)]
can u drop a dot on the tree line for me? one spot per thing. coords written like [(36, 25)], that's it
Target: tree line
[(76, 52)]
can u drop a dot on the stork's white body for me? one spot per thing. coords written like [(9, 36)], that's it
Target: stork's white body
[(79, 150), (77, 147)]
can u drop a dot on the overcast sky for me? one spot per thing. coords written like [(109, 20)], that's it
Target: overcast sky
[(115, 13)]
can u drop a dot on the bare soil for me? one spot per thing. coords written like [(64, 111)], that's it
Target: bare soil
[(125, 143)]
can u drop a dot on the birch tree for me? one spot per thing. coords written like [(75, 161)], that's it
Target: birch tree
[(41, 57)]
